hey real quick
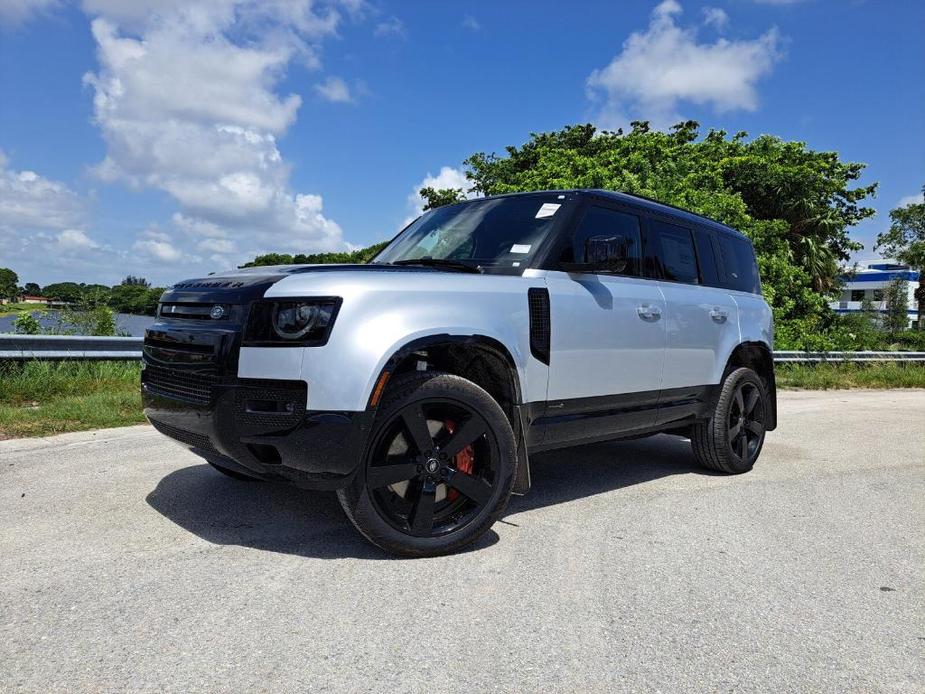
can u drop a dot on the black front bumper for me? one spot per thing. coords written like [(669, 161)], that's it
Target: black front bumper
[(261, 426), (191, 393)]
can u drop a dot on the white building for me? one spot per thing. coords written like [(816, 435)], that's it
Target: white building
[(870, 281)]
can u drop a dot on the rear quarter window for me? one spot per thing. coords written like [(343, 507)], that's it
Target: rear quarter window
[(737, 258)]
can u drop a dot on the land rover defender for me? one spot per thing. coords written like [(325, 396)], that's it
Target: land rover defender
[(418, 386)]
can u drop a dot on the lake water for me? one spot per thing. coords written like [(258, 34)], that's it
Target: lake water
[(126, 322)]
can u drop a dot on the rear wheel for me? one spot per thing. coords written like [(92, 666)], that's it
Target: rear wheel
[(438, 470), (732, 439)]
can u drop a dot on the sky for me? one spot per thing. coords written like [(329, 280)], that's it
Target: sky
[(173, 138)]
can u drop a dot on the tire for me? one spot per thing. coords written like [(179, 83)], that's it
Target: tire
[(234, 473), (731, 440), (438, 469)]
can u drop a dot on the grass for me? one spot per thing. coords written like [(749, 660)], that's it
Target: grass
[(844, 375), (15, 309), (41, 398)]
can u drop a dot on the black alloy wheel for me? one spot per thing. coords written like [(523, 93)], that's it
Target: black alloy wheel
[(438, 470), (746, 421), (731, 440)]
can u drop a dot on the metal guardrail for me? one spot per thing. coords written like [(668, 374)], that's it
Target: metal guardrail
[(781, 357), (82, 347), (22, 347)]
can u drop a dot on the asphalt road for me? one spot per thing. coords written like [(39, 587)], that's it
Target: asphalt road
[(125, 563)]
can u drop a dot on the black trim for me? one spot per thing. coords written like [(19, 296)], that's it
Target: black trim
[(540, 323), (263, 426), (579, 421)]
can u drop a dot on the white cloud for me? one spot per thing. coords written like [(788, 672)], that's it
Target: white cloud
[(664, 65), (471, 23), (75, 240), (187, 102), (29, 202), (448, 177), (16, 12), (911, 200), (715, 17), (162, 250), (392, 26), (335, 90)]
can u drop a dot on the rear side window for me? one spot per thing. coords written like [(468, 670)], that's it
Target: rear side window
[(709, 273), (674, 258), (620, 226), (738, 263)]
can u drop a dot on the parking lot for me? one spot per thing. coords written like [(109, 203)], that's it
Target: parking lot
[(129, 564)]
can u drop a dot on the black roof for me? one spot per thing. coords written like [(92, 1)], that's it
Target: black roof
[(639, 201)]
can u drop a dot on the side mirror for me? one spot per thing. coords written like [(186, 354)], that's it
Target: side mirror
[(603, 254)]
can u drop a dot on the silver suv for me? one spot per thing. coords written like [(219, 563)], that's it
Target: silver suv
[(418, 386)]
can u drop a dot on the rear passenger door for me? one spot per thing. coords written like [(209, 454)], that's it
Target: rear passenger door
[(701, 320)]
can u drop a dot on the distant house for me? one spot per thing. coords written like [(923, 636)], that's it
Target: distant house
[(869, 283), (30, 299)]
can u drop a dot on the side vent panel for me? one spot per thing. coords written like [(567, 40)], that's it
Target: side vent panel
[(540, 328)]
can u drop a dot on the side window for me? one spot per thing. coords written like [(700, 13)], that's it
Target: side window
[(674, 250), (739, 264), (623, 228), (705, 254)]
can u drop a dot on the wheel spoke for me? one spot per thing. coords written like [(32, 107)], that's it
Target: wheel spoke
[(421, 518), (755, 427), (384, 475), (734, 432), (473, 487), (739, 402), (752, 401), (416, 425), (473, 428), (742, 446)]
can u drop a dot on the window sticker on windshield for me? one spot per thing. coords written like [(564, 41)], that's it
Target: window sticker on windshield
[(521, 248), (548, 209)]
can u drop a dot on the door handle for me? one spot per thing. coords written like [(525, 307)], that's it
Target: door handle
[(649, 312), (719, 315)]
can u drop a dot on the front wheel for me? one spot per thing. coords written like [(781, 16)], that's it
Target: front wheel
[(438, 470), (732, 439)]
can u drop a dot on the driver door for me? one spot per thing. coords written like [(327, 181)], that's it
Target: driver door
[(609, 339)]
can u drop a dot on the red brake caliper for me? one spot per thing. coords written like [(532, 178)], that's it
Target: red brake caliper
[(464, 460)]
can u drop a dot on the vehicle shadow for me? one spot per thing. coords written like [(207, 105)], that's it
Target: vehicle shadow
[(278, 518)]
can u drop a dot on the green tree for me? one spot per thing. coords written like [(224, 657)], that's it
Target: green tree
[(64, 291), (360, 256), (135, 298), (32, 289), (438, 197), (131, 280), (905, 241), (796, 204), (9, 284), (897, 306)]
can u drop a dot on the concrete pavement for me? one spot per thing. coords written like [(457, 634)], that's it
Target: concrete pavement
[(126, 563)]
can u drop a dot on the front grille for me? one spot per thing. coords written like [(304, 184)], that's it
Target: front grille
[(193, 311), (190, 438), (183, 385)]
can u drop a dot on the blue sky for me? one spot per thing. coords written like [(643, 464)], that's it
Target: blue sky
[(175, 138)]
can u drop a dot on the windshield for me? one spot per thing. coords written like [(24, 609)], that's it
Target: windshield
[(496, 235)]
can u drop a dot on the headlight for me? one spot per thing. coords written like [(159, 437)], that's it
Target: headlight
[(280, 322), (295, 319)]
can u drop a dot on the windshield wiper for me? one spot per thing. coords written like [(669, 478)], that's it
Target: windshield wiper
[(441, 263)]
